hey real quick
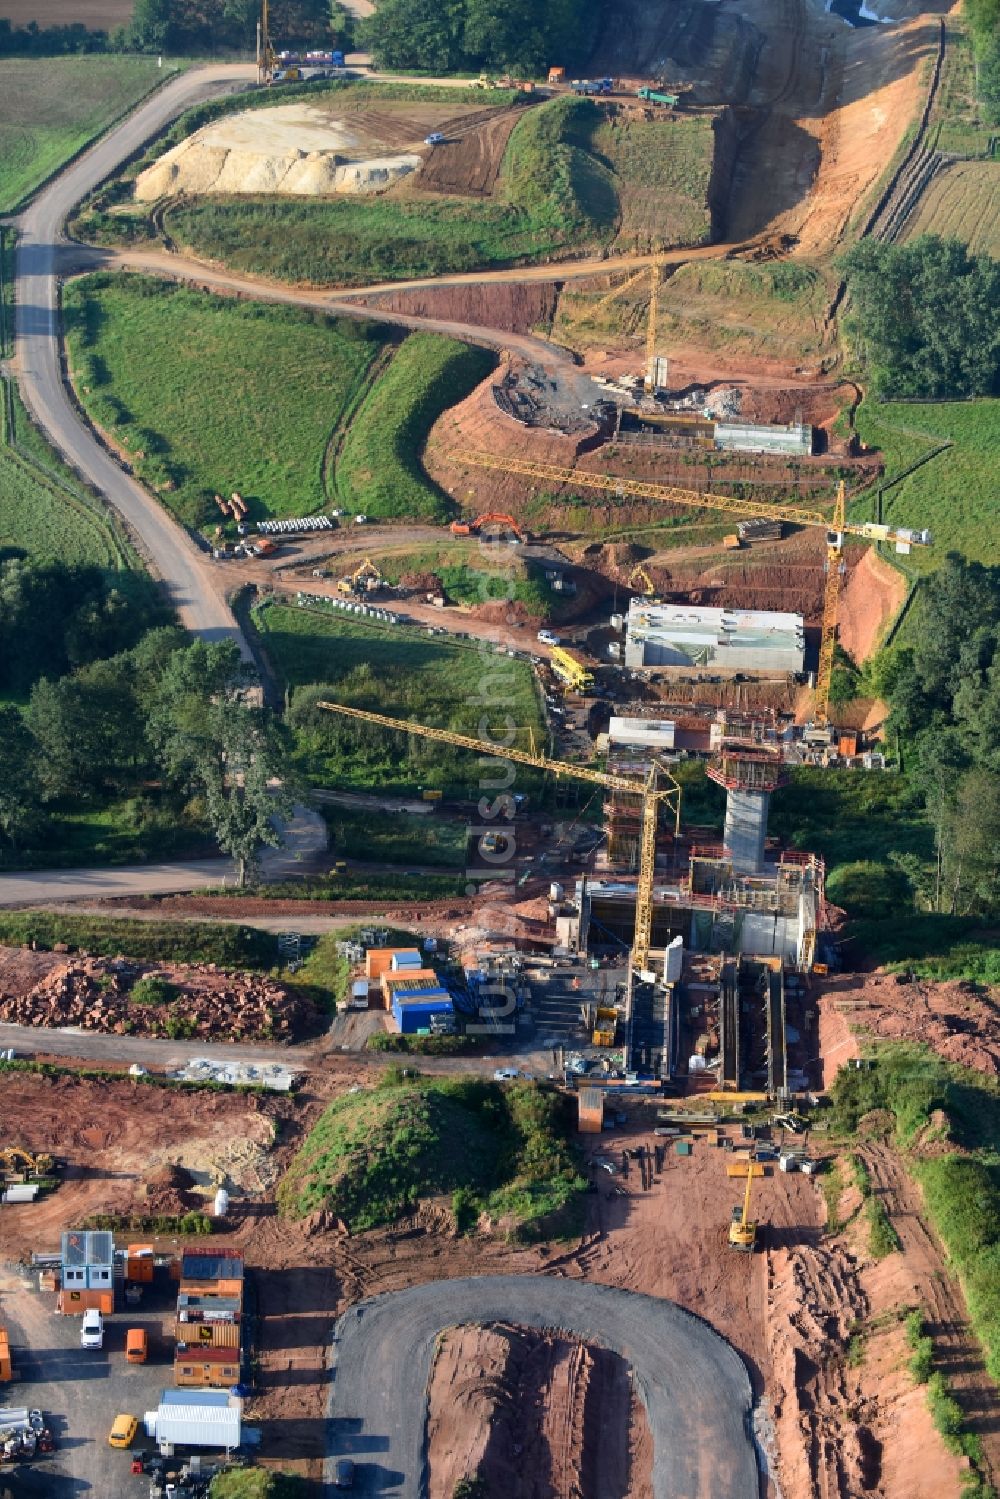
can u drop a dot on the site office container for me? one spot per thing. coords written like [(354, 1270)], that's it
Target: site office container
[(75, 1303), (206, 1368), (378, 960), (6, 1367)]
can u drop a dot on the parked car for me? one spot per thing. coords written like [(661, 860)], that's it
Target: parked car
[(434, 139), (546, 637), (123, 1431), (92, 1330), (508, 1075), (344, 1478)]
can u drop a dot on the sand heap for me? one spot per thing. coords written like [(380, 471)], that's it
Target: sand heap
[(292, 149)]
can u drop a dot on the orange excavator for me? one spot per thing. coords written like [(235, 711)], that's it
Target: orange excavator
[(490, 518)]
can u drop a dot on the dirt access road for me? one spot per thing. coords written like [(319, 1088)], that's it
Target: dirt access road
[(695, 1388)]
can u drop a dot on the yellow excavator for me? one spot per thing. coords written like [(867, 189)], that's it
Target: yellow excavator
[(743, 1228), (19, 1164), (364, 579)]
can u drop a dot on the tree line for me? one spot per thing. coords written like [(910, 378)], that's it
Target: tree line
[(520, 35), (944, 700), (119, 700), (925, 317), (185, 27)]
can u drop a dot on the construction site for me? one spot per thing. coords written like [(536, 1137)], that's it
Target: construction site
[(537, 1126)]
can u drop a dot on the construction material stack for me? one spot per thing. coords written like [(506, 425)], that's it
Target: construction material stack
[(208, 1325)]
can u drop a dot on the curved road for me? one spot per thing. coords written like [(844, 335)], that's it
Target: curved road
[(174, 556), (695, 1388)]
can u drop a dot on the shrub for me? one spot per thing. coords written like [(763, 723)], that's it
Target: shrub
[(153, 990)]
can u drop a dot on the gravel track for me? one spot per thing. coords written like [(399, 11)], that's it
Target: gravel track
[(695, 1388)]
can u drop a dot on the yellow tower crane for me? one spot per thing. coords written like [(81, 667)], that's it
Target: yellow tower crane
[(652, 272), (649, 789), (903, 538)]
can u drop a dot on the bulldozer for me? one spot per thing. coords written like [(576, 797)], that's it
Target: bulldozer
[(743, 1228)]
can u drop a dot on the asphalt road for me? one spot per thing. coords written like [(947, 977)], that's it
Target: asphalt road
[(171, 552), (695, 1387)]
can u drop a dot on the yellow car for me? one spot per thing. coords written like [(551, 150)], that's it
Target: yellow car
[(123, 1432)]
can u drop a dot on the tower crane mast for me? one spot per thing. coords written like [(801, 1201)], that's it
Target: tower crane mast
[(653, 794)]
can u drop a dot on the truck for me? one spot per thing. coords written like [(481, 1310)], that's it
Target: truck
[(586, 86), (658, 96)]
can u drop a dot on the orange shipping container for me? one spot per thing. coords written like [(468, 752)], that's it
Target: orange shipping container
[(6, 1368), (75, 1303), (591, 1111), (139, 1264)]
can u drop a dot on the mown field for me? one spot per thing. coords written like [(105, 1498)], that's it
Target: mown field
[(753, 311), (50, 108), (377, 469), (399, 671), (662, 169), (205, 395), (955, 493), (962, 202), (43, 521)]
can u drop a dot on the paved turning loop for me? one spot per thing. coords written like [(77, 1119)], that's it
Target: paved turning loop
[(695, 1388)]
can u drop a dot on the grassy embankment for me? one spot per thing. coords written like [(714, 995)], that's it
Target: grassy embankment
[(45, 514), (946, 1123), (553, 196), (387, 838), (401, 672), (375, 1155), (754, 311), (377, 469), (50, 108), (227, 945), (662, 169), (205, 395)]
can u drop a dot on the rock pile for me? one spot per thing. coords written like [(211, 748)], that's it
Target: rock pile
[(96, 994)]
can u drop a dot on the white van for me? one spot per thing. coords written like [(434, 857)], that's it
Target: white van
[(92, 1330)]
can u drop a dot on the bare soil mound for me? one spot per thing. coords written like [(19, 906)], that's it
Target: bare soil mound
[(535, 1415), (870, 601), (99, 994), (293, 148), (508, 305)]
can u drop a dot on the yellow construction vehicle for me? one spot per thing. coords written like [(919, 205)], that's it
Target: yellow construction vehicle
[(364, 579), (903, 537), (641, 576), (743, 1228), (571, 671), (20, 1164), (656, 789)]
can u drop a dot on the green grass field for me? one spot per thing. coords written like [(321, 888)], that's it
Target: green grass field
[(662, 170), (218, 395), (374, 1155), (377, 470), (955, 493), (50, 108), (400, 672), (385, 838), (45, 513)]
